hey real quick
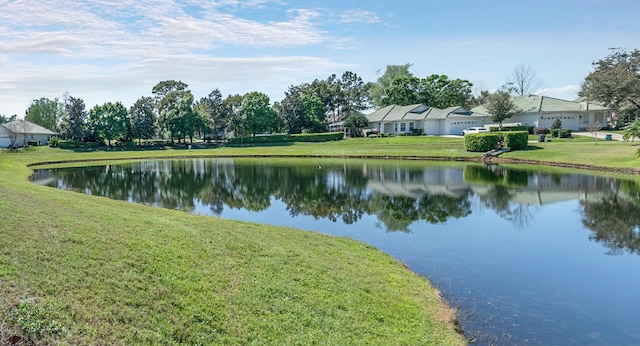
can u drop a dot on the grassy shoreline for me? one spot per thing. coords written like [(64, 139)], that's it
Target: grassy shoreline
[(78, 269)]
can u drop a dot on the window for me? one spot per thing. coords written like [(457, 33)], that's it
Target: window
[(396, 127), (403, 127), (412, 125)]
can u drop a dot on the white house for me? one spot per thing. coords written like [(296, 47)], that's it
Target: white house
[(433, 121), (542, 111), (19, 133)]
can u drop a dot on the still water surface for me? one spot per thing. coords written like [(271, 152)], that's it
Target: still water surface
[(527, 257)]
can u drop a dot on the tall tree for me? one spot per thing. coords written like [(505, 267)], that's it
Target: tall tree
[(109, 121), (434, 91), (6, 119), (615, 82), (73, 124), (232, 108), (500, 107), (523, 80), (211, 108), (45, 112), (329, 91), (142, 119), (354, 94), (404, 91), (301, 111), (257, 114), (378, 90), (192, 121), (441, 92), (168, 95)]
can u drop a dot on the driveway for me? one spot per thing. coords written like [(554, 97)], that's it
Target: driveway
[(600, 134)]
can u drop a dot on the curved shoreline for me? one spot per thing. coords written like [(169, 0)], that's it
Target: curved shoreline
[(480, 159)]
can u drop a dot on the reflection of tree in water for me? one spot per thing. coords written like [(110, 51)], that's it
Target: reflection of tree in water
[(615, 220), (397, 213), (498, 198)]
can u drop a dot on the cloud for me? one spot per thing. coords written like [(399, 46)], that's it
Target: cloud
[(359, 16), (566, 92)]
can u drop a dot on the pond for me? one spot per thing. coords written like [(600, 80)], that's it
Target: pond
[(526, 257)]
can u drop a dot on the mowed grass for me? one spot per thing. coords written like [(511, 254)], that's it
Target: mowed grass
[(78, 269)]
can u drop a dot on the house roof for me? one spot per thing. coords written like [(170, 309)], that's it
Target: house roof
[(418, 112), (26, 127), (546, 104), (397, 113)]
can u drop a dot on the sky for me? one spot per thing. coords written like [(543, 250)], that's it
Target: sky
[(109, 51)]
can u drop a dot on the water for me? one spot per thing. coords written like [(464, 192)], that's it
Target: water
[(526, 257)]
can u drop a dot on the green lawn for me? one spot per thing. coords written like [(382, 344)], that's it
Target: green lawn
[(77, 269)]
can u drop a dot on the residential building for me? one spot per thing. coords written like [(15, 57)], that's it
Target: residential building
[(20, 133), (542, 111), (397, 120)]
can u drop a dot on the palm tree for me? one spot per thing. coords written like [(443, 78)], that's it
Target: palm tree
[(632, 131)]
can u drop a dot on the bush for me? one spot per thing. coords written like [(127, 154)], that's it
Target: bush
[(557, 124), (528, 128), (54, 142), (516, 140), (564, 133), (480, 142), (71, 144), (541, 131), (311, 137)]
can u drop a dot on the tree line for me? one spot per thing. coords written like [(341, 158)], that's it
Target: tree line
[(172, 112)]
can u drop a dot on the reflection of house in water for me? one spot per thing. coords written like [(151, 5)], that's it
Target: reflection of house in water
[(530, 188), (415, 183)]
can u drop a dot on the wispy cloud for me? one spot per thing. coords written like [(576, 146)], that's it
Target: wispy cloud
[(359, 16)]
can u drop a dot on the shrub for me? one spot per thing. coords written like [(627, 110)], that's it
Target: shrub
[(478, 142), (528, 128), (71, 144), (283, 138), (516, 140), (54, 142), (557, 124), (564, 133)]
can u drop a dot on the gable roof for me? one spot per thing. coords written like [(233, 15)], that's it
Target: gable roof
[(417, 112), (26, 127), (544, 104), (397, 113)]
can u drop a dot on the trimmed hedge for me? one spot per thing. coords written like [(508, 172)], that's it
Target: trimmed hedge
[(480, 142), (477, 142), (70, 144), (561, 133), (516, 140), (305, 137), (528, 128)]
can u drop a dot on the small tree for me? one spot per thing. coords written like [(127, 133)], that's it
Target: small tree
[(593, 128), (500, 107), (632, 131), (356, 123), (557, 124)]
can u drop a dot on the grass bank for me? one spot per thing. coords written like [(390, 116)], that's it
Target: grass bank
[(77, 269)]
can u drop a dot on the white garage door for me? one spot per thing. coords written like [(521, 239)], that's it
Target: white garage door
[(5, 142)]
